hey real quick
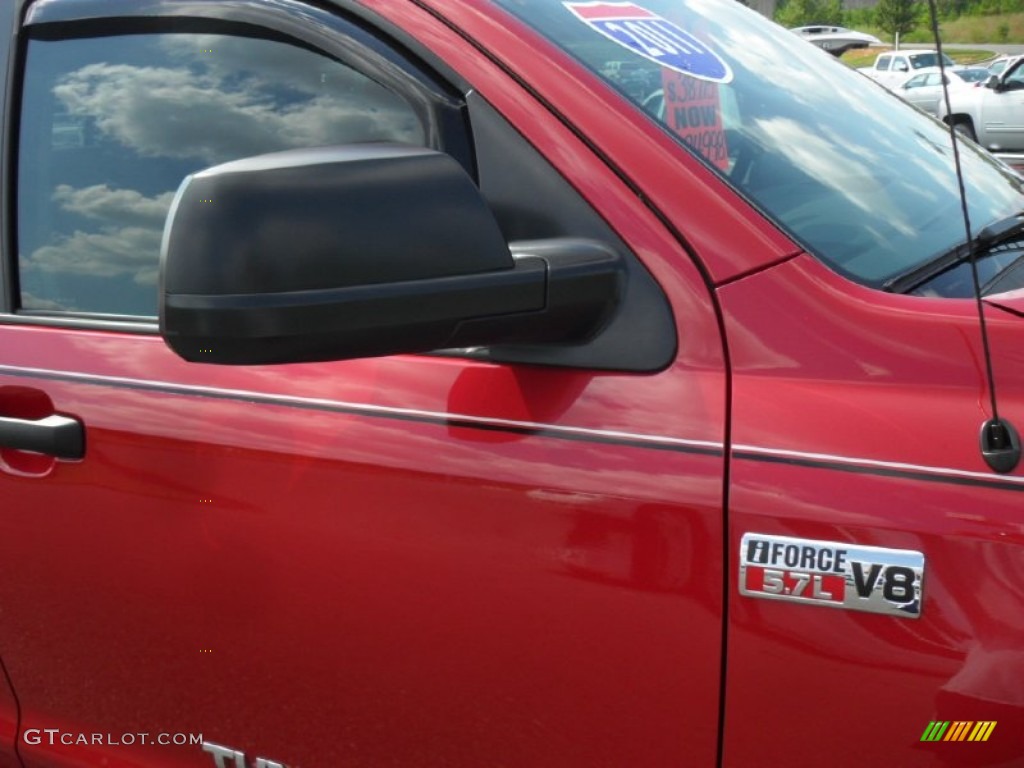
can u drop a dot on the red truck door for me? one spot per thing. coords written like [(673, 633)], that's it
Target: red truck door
[(412, 560)]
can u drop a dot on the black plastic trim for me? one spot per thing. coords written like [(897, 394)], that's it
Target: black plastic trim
[(1000, 445), (350, 322), (8, 51), (355, 255), (360, 250), (62, 10), (532, 201), (351, 215), (58, 436)]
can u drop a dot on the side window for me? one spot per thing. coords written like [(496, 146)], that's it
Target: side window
[(111, 125), (1015, 79), (883, 63)]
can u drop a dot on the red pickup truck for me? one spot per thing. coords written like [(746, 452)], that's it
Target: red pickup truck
[(383, 385)]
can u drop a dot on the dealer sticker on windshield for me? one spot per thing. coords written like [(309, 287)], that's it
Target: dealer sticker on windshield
[(653, 37), (830, 573)]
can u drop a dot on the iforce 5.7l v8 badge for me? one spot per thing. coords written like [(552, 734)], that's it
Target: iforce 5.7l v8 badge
[(874, 579)]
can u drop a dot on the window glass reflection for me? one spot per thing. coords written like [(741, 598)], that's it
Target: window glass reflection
[(111, 126), (861, 179)]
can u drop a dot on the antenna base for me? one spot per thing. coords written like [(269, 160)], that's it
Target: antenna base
[(1000, 445)]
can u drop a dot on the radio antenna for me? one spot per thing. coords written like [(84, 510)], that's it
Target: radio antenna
[(1000, 443)]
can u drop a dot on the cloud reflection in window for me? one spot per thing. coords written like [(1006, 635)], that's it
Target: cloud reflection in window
[(111, 131)]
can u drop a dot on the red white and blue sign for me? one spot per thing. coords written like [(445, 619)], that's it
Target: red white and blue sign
[(649, 35)]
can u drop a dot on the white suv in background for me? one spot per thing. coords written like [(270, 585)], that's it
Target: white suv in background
[(892, 68), (992, 115)]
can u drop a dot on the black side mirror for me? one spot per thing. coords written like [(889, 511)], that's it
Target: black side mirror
[(992, 82), (359, 251)]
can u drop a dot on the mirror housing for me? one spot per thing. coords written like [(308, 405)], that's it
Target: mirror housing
[(360, 251), (992, 82)]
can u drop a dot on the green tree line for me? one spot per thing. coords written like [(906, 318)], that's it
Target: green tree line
[(891, 16)]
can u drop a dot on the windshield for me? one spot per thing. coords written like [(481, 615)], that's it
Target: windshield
[(973, 75), (930, 59), (859, 178)]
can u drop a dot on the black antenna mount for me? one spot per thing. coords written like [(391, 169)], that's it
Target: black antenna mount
[(1000, 443)]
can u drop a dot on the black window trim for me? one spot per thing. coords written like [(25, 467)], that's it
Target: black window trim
[(8, 47)]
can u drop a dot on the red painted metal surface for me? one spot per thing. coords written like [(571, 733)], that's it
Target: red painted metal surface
[(842, 376), (336, 565), (413, 592), (8, 725), (843, 432), (326, 565)]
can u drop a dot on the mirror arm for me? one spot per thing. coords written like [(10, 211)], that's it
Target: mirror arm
[(585, 284)]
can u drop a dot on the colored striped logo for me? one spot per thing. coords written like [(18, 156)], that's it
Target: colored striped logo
[(958, 730)]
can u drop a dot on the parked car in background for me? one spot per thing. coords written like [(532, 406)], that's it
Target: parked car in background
[(892, 68), (999, 65), (924, 90), (992, 114), (836, 40)]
